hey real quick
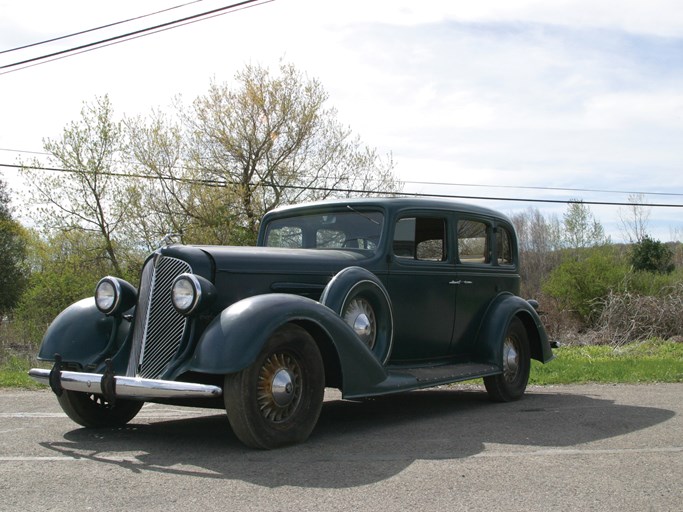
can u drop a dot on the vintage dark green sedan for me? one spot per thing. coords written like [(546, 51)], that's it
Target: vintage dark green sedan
[(371, 296)]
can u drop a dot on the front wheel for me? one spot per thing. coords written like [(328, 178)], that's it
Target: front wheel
[(277, 400), (94, 411), (511, 384)]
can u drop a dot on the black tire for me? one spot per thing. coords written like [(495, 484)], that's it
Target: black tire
[(277, 400), (93, 411), (511, 384)]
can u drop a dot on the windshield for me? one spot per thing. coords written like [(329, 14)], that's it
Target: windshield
[(334, 230)]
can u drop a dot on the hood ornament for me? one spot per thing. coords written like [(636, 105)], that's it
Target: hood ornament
[(168, 240)]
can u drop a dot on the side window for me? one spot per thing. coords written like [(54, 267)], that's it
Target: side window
[(473, 244), (504, 246), (421, 238)]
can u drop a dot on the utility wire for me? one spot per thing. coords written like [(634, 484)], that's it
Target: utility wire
[(108, 25), (557, 189), (225, 183), (128, 36), (473, 185), (25, 151)]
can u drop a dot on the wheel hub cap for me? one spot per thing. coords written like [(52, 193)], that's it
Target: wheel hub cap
[(360, 316), (362, 325), (510, 360), (282, 387), (279, 387)]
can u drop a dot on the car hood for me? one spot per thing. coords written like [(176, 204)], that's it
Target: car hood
[(278, 260)]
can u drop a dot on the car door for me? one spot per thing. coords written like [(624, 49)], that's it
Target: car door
[(422, 266), (484, 268)]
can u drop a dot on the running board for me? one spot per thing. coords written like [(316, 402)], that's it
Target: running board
[(452, 372), (406, 379)]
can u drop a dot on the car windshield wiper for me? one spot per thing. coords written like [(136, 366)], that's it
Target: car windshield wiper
[(363, 215)]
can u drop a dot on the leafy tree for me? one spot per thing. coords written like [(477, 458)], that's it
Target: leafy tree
[(650, 255), (243, 149), (634, 219), (13, 271), (84, 198), (59, 278), (581, 228), (180, 199), (162, 205), (540, 241)]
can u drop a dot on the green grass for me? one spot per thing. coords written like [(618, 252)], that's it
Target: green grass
[(652, 361), (13, 374)]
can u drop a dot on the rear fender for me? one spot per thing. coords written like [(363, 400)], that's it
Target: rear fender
[(495, 326), (234, 339)]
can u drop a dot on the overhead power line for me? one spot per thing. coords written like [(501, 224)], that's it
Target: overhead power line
[(555, 189), (18, 66), (224, 183), (451, 184), (108, 25)]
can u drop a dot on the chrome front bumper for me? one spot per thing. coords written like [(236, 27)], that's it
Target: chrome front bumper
[(126, 387)]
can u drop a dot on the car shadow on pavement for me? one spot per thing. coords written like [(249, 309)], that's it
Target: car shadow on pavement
[(361, 442)]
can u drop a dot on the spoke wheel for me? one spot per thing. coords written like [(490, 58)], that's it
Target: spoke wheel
[(91, 410), (516, 364), (279, 387), (277, 400)]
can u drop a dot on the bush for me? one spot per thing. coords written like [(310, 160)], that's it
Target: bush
[(652, 256), (648, 283), (578, 285), (626, 316)]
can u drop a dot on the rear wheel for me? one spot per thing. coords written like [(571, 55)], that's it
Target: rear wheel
[(91, 410), (511, 384), (277, 400)]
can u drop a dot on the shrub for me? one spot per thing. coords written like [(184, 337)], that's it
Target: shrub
[(578, 285), (626, 316), (652, 256)]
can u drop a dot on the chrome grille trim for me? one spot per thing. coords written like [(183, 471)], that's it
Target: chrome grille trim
[(159, 328), (140, 318)]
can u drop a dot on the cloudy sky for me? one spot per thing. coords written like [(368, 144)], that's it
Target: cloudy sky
[(580, 95)]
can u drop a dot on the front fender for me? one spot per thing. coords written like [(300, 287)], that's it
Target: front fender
[(495, 326), (82, 334), (233, 340)]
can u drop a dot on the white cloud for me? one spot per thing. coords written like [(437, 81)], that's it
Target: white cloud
[(652, 17), (636, 109), (574, 93)]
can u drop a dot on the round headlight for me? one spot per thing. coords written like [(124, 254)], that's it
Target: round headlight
[(114, 295), (107, 295), (191, 293), (186, 293)]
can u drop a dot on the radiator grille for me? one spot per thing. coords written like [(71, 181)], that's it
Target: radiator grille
[(159, 328)]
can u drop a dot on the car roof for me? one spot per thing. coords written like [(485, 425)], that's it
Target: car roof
[(392, 204)]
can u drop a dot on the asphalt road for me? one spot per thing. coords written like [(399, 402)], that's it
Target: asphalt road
[(560, 448)]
